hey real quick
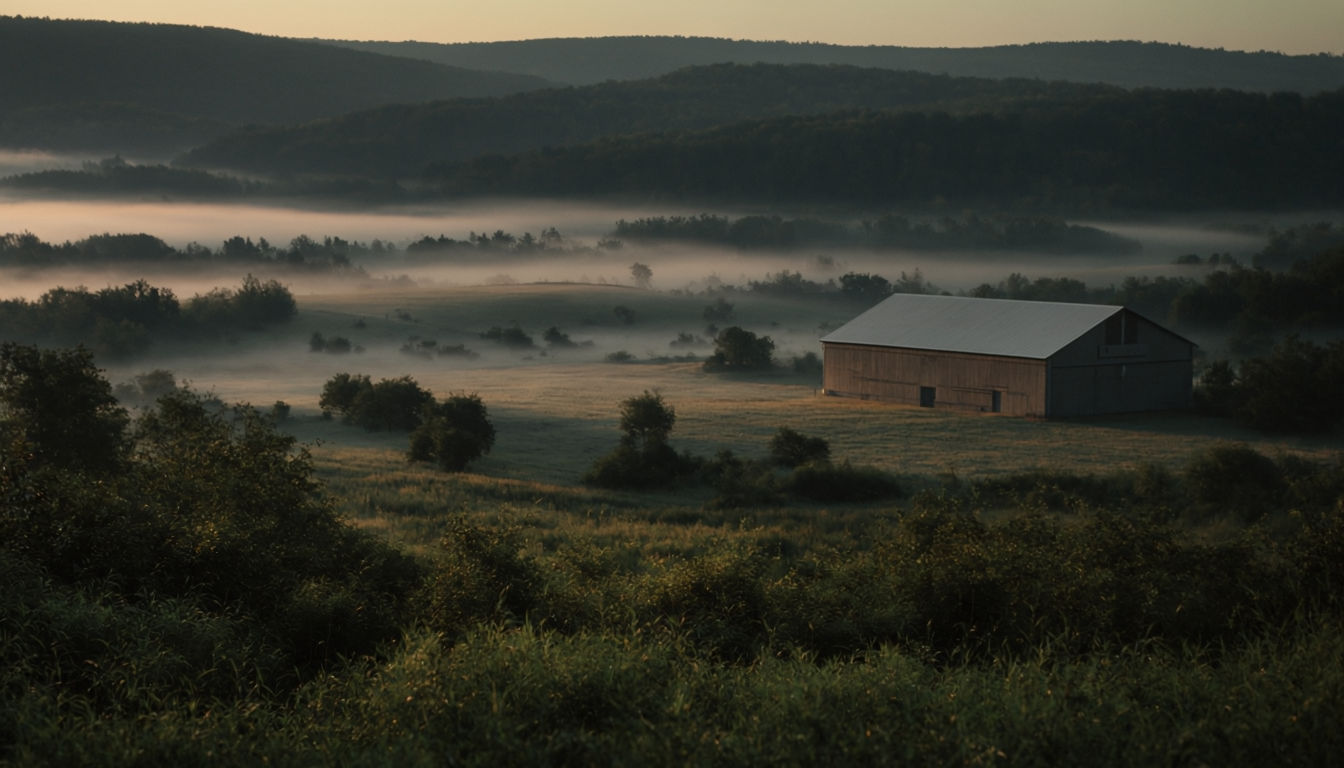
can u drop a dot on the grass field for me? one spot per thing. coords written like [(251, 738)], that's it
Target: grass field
[(556, 411)]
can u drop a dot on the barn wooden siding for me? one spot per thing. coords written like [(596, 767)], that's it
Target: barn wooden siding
[(1150, 370), (959, 380)]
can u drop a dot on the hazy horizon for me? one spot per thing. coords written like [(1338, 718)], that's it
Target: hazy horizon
[(1292, 26)]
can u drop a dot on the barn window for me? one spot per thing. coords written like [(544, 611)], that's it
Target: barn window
[(996, 402), (1114, 329), (1131, 329), (926, 396)]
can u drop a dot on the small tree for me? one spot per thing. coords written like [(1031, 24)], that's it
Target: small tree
[(390, 405), (453, 433), (791, 449), (643, 459), (738, 349), (646, 421), (58, 402), (340, 391), (642, 274)]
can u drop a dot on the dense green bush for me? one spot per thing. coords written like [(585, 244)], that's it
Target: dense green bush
[(59, 405), (789, 448), (642, 459), (453, 433), (1234, 480), (737, 349), (211, 514), (388, 405), (824, 481)]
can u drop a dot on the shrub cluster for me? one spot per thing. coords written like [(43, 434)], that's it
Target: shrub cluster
[(451, 433), (1295, 389)]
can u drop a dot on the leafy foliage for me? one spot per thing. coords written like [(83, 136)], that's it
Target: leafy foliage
[(453, 433), (737, 349), (643, 458), (388, 405), (57, 404), (789, 448)]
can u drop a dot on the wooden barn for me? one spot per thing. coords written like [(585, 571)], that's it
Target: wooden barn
[(1023, 358)]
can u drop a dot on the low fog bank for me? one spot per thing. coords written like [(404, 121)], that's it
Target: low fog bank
[(180, 223), (583, 227)]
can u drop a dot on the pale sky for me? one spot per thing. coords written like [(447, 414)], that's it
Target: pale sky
[(1289, 26)]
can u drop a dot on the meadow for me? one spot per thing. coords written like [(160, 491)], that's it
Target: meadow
[(1041, 592)]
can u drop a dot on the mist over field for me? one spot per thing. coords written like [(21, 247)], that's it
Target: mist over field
[(583, 227)]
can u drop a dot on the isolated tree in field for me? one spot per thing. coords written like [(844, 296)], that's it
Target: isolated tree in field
[(58, 403), (646, 421), (789, 448), (642, 274), (738, 349), (643, 459), (453, 433)]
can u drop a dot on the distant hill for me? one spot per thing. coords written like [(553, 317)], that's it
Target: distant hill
[(115, 86), (581, 61), (1133, 151), (402, 140)]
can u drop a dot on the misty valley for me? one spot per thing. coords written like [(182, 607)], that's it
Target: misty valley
[(463, 416)]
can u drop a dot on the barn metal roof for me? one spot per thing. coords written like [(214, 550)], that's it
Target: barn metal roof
[(1031, 329)]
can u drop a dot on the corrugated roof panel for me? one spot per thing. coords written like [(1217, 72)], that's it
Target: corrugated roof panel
[(1031, 329)]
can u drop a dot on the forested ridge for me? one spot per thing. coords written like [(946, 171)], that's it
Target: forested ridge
[(401, 140), (1127, 63), (841, 134), (98, 84), (1142, 150)]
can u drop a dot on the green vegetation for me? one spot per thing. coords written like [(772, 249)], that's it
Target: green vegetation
[(453, 433), (126, 320), (303, 253), (396, 405), (737, 349), (191, 595), (1141, 150), (642, 458), (1294, 389)]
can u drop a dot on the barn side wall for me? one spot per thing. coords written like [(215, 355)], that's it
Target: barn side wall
[(1153, 373), (958, 380)]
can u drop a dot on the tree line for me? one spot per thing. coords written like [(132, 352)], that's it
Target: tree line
[(890, 230), (1142, 150), (24, 249), (125, 320)]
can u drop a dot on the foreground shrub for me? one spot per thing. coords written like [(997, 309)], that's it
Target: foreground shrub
[(824, 481), (1234, 480), (480, 576), (790, 449)]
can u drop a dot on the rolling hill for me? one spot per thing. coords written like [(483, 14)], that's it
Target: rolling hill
[(402, 140), (1130, 64), (136, 87)]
